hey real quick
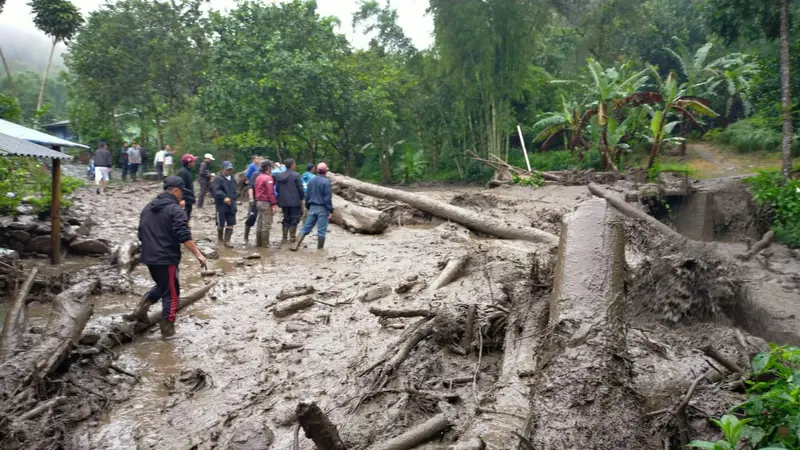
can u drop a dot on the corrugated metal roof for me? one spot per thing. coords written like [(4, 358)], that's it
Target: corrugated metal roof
[(11, 146), (28, 134)]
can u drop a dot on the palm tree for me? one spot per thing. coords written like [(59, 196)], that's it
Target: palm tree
[(60, 20), (5, 64)]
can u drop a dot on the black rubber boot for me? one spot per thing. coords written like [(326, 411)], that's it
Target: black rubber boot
[(259, 239), (167, 329), (219, 234), (285, 235), (140, 313), (296, 246), (246, 235), (320, 243), (293, 234), (227, 238)]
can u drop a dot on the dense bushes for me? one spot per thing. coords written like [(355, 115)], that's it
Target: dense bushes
[(558, 160), (751, 135), (27, 177), (772, 409), (782, 197)]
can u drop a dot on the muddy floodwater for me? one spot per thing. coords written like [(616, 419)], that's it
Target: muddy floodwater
[(235, 373)]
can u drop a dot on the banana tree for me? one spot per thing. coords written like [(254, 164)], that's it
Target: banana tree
[(675, 101), (567, 124), (609, 87)]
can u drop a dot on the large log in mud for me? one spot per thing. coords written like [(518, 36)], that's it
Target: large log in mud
[(71, 311), (581, 398), (16, 317), (358, 219), (110, 332), (469, 219)]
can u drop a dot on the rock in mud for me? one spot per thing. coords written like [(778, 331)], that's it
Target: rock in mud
[(89, 247), (375, 293), (288, 307), (20, 235), (39, 244)]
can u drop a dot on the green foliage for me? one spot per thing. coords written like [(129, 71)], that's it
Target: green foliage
[(782, 197), (755, 134), (28, 84), (9, 109), (534, 180), (412, 166), (772, 409), (59, 19), (659, 167), (27, 177)]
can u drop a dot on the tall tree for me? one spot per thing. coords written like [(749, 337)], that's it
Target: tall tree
[(786, 90), (60, 20), (732, 19), (5, 64)]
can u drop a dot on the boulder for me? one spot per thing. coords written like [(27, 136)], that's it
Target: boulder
[(39, 244), (70, 233), (9, 259), (86, 227), (89, 247), (27, 223), (43, 228), (209, 251), (20, 235)]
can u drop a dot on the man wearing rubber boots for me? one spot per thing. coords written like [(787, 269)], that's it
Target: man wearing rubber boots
[(290, 199), (163, 227), (224, 191), (319, 202)]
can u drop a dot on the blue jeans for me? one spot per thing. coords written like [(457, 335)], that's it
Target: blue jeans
[(317, 215)]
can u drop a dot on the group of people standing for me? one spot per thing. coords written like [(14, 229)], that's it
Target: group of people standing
[(164, 222)]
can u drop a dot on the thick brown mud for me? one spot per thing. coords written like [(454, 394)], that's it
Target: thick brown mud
[(234, 376)]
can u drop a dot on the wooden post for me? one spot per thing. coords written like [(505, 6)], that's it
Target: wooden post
[(524, 150), (55, 215)]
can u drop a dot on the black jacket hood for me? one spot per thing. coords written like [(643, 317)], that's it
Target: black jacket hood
[(163, 200)]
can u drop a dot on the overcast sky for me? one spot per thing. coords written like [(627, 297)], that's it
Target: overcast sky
[(411, 16)]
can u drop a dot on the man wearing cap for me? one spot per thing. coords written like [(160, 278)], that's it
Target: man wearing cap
[(187, 164), (319, 203), (224, 191), (163, 227), (205, 178), (264, 191), (290, 199)]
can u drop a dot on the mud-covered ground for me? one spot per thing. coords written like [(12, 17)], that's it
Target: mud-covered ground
[(235, 374)]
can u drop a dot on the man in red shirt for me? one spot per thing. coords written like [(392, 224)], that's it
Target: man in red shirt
[(266, 203)]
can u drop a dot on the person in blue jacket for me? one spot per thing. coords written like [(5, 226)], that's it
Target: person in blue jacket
[(311, 170), (319, 203)]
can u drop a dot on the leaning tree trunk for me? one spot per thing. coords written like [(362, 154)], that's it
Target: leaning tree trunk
[(583, 371), (786, 89), (8, 73), (358, 219), (16, 318), (46, 72), (469, 219), (71, 311)]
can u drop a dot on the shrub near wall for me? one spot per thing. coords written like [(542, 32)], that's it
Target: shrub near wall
[(782, 197), (751, 135)]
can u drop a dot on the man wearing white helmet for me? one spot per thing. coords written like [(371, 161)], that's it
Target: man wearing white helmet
[(319, 203), (205, 178)]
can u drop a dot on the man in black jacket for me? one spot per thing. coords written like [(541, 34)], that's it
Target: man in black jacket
[(187, 163), (205, 178), (224, 191), (163, 227), (290, 198)]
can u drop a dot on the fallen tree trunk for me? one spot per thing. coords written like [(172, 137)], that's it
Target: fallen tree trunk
[(358, 219), (113, 331), (583, 371), (295, 291), (417, 435), (470, 219), (625, 208), (291, 306), (758, 246), (16, 317), (451, 271), (71, 311)]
